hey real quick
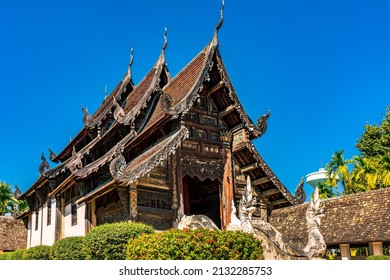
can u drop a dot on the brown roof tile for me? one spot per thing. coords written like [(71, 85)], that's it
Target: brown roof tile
[(356, 218), (136, 95)]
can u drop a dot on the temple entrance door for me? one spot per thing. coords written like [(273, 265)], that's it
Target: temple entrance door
[(202, 198)]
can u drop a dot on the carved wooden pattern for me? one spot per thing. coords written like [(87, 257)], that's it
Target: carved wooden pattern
[(87, 119), (133, 203), (119, 113), (44, 168), (125, 199), (212, 121), (240, 138), (158, 200), (118, 164), (175, 204), (202, 168)]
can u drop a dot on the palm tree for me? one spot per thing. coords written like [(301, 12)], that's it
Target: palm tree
[(325, 191), (364, 174), (337, 170)]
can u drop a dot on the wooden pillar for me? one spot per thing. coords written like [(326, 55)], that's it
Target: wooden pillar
[(345, 251), (227, 182), (179, 176), (376, 248), (174, 180), (133, 201), (93, 213)]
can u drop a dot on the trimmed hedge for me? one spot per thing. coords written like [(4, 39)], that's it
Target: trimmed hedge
[(69, 248), (17, 255), (109, 241), (378, 257), (5, 256), (199, 244), (41, 252)]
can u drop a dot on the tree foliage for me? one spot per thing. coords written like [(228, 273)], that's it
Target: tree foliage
[(368, 171), (375, 140), (8, 203)]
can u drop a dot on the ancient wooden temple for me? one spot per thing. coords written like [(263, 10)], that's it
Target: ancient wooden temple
[(155, 151)]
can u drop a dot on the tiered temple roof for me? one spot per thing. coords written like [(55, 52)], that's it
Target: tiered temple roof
[(137, 114)]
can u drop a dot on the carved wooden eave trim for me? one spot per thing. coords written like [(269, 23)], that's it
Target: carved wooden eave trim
[(256, 130), (66, 184), (271, 175), (75, 163), (102, 190), (77, 169), (186, 103), (127, 173), (93, 120)]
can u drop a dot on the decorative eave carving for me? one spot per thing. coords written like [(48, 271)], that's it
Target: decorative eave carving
[(76, 163), (300, 194), (77, 168), (44, 167), (261, 127), (119, 113), (226, 137), (254, 130), (118, 166), (52, 156), (87, 118), (17, 193)]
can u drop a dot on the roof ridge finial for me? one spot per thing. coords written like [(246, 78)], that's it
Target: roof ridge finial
[(221, 18), (105, 91), (130, 62), (165, 39)]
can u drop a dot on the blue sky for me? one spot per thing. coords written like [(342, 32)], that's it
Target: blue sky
[(321, 67)]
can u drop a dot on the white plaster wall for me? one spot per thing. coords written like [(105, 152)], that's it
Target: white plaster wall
[(79, 228), (36, 234), (29, 230), (48, 233)]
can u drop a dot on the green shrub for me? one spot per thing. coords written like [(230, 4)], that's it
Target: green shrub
[(69, 248), (199, 244), (5, 256), (41, 252), (378, 257), (109, 241), (17, 255)]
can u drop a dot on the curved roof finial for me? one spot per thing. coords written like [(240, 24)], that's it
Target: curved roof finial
[(221, 18), (130, 62), (215, 38), (165, 39)]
